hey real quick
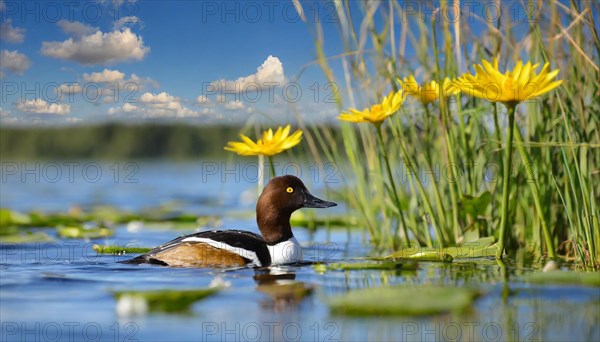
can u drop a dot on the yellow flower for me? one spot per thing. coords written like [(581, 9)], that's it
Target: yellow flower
[(377, 113), (428, 92), (270, 144), (512, 87)]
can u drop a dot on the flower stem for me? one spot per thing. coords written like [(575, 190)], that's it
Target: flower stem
[(506, 180), (272, 165), (392, 183)]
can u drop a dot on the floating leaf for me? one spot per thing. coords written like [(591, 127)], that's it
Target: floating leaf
[(164, 300), (9, 217), (119, 250), (83, 233), (565, 277), (386, 265), (27, 237), (407, 301), (425, 255)]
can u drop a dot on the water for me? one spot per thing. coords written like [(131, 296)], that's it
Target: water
[(63, 291)]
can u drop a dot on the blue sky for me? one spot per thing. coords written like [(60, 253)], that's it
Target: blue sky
[(66, 62)]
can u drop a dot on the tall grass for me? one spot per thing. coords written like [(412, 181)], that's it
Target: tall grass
[(446, 157)]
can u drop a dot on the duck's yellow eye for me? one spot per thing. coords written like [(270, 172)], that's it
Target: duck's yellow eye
[(289, 189)]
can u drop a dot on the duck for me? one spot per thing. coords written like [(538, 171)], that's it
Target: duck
[(276, 245)]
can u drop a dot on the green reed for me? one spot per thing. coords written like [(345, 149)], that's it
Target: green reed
[(547, 202)]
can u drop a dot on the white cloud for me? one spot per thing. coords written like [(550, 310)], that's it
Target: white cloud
[(99, 48), (128, 21), (39, 106), (68, 89), (125, 108), (11, 34), (202, 100), (221, 98), (234, 105), (14, 61), (106, 76), (156, 105), (4, 112), (76, 29), (269, 74)]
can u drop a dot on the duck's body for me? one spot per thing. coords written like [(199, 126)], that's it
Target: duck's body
[(227, 248)]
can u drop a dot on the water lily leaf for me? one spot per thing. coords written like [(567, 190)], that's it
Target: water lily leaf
[(9, 217), (407, 301), (120, 250), (164, 300), (27, 237), (72, 232), (386, 265), (565, 277), (423, 255)]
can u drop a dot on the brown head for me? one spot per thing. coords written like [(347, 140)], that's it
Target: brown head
[(279, 199)]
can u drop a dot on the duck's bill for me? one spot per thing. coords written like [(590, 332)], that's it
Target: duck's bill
[(311, 201)]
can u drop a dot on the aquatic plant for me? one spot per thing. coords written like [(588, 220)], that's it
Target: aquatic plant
[(547, 203), (510, 89)]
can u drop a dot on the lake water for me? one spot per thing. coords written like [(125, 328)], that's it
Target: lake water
[(63, 291)]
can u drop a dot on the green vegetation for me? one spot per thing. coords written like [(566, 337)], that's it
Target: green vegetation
[(120, 250), (408, 301), (114, 142), (354, 266), (565, 277), (166, 300), (454, 176)]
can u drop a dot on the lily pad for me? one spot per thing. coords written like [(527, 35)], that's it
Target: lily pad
[(404, 301), (425, 255), (565, 277), (9, 217), (27, 237), (120, 250), (83, 233), (386, 265), (163, 300), (483, 247)]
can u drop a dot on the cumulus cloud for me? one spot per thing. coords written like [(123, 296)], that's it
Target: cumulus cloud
[(269, 74), (202, 100), (156, 105), (125, 108), (234, 105), (110, 85), (105, 76), (99, 48), (76, 29), (14, 61), (128, 21), (39, 106), (11, 34)]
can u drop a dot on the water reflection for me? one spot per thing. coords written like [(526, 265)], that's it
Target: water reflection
[(280, 285)]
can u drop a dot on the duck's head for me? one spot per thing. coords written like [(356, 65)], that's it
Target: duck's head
[(279, 199)]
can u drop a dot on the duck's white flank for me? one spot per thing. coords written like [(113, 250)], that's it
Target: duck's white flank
[(285, 252), (237, 250)]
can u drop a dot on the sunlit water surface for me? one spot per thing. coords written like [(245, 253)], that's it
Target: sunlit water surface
[(63, 291)]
